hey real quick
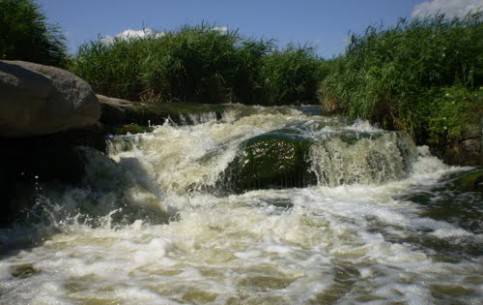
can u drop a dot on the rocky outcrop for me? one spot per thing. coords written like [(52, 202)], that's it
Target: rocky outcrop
[(114, 110), (41, 100), (45, 114)]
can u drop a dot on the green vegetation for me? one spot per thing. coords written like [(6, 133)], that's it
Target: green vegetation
[(25, 34), (291, 75), (201, 64), (423, 76)]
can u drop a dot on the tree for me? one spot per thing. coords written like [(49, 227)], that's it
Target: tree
[(25, 34)]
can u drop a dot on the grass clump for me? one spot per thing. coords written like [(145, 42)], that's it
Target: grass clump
[(194, 64), (25, 34), (403, 77), (202, 64), (99, 63)]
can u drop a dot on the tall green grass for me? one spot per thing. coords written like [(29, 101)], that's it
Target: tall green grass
[(101, 65), (200, 64), (26, 35), (400, 77), (291, 76), (194, 64)]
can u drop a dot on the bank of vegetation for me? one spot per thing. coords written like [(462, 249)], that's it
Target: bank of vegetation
[(201, 64), (423, 76)]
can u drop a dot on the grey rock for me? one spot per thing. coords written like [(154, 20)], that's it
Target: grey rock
[(40, 100)]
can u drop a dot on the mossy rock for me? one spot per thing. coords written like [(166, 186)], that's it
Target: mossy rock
[(471, 181), (276, 159), (24, 271)]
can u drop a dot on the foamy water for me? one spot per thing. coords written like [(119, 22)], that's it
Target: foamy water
[(345, 244)]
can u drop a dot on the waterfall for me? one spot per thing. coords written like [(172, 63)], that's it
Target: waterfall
[(363, 158)]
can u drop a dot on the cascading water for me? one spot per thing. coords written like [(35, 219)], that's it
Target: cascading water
[(155, 221)]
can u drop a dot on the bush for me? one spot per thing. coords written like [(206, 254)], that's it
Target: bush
[(393, 77), (25, 35)]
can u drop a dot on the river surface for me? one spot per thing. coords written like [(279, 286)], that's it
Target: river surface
[(148, 227)]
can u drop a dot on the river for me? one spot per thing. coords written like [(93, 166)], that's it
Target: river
[(150, 226)]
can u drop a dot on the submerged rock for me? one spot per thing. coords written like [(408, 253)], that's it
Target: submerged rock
[(277, 159), (41, 100), (315, 154)]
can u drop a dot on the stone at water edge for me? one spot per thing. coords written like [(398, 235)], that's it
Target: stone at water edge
[(41, 100)]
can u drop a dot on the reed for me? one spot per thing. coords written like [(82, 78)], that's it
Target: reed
[(396, 77), (200, 64), (292, 76)]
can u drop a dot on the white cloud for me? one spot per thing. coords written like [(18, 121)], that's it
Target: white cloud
[(450, 8), (221, 29), (147, 32), (132, 34)]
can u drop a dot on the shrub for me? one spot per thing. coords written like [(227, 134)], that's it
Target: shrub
[(25, 34)]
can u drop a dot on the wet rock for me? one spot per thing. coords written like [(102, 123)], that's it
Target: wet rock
[(114, 110), (471, 181), (24, 271), (276, 159), (317, 152), (40, 100)]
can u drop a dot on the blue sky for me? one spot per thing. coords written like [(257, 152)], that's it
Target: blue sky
[(324, 24)]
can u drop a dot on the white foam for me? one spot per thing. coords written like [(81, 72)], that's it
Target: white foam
[(354, 239)]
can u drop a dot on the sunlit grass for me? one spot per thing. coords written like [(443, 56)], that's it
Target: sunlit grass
[(403, 77), (201, 64)]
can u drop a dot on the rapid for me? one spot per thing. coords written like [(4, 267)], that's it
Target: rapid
[(153, 223)]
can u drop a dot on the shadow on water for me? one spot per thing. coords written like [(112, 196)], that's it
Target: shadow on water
[(110, 195)]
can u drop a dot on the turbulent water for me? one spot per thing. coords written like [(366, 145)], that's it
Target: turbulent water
[(148, 226)]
